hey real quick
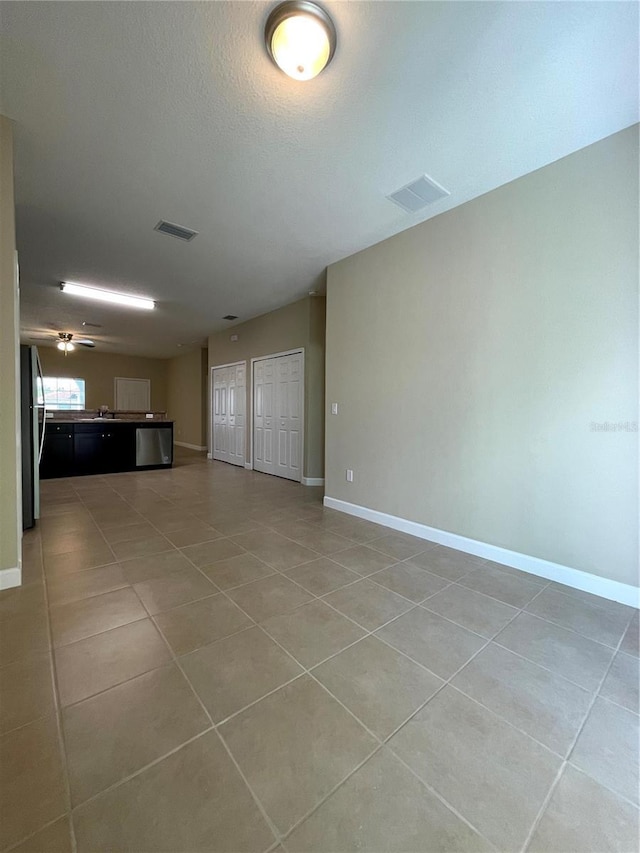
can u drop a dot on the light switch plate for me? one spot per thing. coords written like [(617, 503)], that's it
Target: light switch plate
[(349, 475), (149, 416), (334, 408)]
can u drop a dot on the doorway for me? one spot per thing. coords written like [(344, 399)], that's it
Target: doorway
[(228, 404), (278, 406)]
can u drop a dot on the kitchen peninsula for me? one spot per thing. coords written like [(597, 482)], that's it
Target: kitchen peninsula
[(80, 443)]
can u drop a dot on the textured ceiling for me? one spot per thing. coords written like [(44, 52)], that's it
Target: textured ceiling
[(126, 113)]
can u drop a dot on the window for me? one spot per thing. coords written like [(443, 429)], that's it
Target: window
[(61, 392)]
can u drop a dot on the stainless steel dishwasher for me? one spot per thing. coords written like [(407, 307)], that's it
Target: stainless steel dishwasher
[(153, 446)]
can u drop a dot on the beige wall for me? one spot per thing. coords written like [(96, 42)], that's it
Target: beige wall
[(300, 324), (99, 369), (186, 394), (10, 467), (471, 354)]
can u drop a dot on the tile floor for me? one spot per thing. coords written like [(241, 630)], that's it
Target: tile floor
[(205, 659)]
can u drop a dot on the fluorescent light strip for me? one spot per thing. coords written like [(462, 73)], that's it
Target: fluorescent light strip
[(106, 296)]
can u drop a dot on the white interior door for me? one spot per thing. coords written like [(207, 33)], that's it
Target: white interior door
[(278, 398), (229, 390), (132, 395)]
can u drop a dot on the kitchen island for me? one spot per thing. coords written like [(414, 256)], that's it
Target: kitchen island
[(105, 446)]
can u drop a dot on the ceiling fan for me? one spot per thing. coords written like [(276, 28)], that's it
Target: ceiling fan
[(66, 342)]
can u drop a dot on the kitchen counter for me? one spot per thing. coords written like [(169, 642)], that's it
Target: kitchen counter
[(79, 447)]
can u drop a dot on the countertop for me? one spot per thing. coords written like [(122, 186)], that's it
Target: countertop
[(108, 421)]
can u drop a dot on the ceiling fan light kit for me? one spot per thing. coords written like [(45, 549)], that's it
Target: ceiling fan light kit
[(300, 38), (74, 289)]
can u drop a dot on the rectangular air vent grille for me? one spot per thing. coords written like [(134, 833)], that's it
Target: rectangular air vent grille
[(230, 317), (418, 194), (174, 230)]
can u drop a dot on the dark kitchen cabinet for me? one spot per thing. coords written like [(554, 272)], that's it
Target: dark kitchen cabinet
[(78, 449), (57, 452)]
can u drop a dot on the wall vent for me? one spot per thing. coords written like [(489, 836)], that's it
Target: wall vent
[(418, 194), (230, 317), (174, 230)]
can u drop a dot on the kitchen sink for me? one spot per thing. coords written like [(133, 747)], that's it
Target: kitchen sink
[(102, 420)]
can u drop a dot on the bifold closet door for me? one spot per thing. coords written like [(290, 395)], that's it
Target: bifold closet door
[(278, 396), (229, 421)]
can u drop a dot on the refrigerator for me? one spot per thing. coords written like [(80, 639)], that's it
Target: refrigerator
[(33, 423)]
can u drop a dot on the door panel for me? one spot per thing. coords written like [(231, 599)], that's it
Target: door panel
[(229, 392), (278, 401)]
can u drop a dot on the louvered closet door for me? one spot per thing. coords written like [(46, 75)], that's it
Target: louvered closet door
[(229, 395), (278, 401)]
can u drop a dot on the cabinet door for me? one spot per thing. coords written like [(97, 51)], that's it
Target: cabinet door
[(57, 455), (89, 453), (118, 450)]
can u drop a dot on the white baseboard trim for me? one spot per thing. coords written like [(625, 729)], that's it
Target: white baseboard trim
[(209, 455), (313, 481), (10, 578), (248, 466), (190, 446), (576, 578)]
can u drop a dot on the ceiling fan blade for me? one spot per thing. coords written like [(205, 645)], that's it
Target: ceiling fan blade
[(86, 343)]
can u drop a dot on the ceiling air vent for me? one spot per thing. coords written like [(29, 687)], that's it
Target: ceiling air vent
[(230, 317), (418, 194), (174, 230)]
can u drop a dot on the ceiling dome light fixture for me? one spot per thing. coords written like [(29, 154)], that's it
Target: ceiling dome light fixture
[(300, 38)]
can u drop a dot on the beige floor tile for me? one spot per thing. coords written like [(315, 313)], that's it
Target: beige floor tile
[(141, 719), (22, 601), (607, 748), (356, 529), (314, 537), (193, 800), (377, 684), (80, 619), (400, 546), (471, 610), (141, 547), (538, 702), (174, 589), (194, 625), (447, 562), (26, 692), (363, 560), (73, 540), (170, 520), (313, 632), (275, 550), (494, 776), (85, 584), (594, 600), (32, 791), (409, 581), (142, 569), (210, 552), (23, 636), (591, 621), (232, 673), (583, 816), (622, 682), (368, 604), (97, 663), (193, 536), (237, 570), (268, 597), (55, 838), (129, 532), (432, 641), (322, 576), (57, 565), (295, 746), (564, 652), (230, 525), (513, 589), (631, 641), (383, 807)]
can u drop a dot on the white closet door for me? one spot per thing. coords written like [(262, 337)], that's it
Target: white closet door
[(263, 400), (228, 400), (236, 404), (277, 429)]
